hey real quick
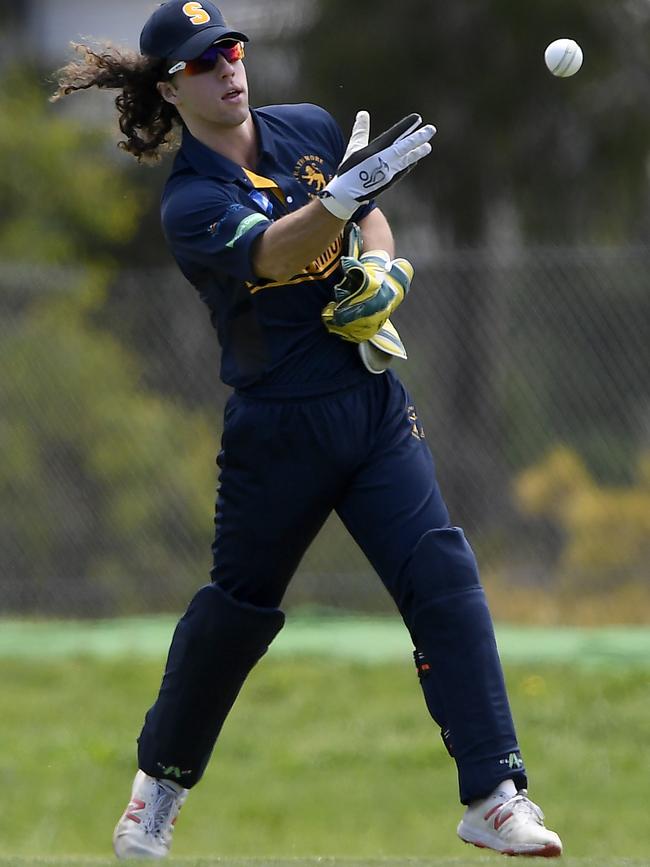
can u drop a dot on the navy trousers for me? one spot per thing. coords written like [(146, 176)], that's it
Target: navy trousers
[(284, 466)]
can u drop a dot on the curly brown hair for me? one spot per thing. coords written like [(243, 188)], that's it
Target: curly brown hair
[(145, 118)]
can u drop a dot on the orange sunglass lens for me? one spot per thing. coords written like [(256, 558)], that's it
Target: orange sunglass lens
[(230, 51)]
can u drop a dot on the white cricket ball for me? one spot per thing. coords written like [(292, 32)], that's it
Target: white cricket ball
[(563, 57)]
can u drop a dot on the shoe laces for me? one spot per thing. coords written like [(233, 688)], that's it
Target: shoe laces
[(521, 805), (158, 820)]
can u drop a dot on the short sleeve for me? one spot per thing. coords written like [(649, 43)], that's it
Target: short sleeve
[(204, 223)]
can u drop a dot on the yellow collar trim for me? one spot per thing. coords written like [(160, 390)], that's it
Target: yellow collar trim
[(262, 183)]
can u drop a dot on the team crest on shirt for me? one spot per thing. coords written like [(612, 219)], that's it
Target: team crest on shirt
[(310, 171)]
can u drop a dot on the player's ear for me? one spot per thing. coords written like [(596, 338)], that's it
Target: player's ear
[(168, 92)]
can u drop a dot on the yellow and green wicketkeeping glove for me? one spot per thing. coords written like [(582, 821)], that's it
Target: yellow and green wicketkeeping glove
[(373, 286)]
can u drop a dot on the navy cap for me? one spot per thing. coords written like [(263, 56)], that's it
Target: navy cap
[(182, 31)]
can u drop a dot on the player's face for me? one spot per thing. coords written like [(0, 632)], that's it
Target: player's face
[(215, 91)]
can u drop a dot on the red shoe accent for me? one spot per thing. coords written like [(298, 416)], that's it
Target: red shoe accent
[(499, 820), (136, 804)]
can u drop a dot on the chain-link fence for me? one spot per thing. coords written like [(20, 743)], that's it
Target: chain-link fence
[(529, 369)]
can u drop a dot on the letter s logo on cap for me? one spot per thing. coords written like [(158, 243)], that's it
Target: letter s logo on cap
[(196, 13)]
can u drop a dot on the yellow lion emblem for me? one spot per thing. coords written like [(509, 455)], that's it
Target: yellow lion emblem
[(314, 177)]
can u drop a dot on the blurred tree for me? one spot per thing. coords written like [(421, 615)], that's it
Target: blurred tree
[(519, 154), (103, 486), (63, 201), (101, 480), (570, 153), (606, 530)]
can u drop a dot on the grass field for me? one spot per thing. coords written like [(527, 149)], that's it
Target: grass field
[(326, 757), (494, 860)]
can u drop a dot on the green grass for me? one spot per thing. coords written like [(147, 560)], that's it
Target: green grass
[(320, 757), (368, 639), (494, 860)]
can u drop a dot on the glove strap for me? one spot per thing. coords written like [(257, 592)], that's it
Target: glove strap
[(337, 201)]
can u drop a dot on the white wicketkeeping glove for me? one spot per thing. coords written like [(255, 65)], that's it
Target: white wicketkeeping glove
[(367, 169)]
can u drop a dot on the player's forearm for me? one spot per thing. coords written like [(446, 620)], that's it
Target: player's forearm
[(376, 233), (292, 242)]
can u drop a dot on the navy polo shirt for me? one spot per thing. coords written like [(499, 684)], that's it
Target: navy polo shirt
[(271, 334)]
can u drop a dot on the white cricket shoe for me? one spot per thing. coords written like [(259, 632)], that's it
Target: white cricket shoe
[(509, 824), (146, 827)]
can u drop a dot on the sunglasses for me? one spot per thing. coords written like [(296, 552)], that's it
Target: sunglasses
[(230, 49)]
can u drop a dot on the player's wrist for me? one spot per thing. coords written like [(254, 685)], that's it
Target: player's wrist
[(337, 201)]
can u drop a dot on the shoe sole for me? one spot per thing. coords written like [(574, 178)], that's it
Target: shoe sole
[(549, 850)]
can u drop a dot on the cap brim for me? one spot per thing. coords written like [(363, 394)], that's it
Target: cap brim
[(198, 42)]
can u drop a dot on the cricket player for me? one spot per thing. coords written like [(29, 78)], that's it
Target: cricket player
[(272, 217)]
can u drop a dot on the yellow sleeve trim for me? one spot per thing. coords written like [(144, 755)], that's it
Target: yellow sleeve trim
[(322, 267)]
